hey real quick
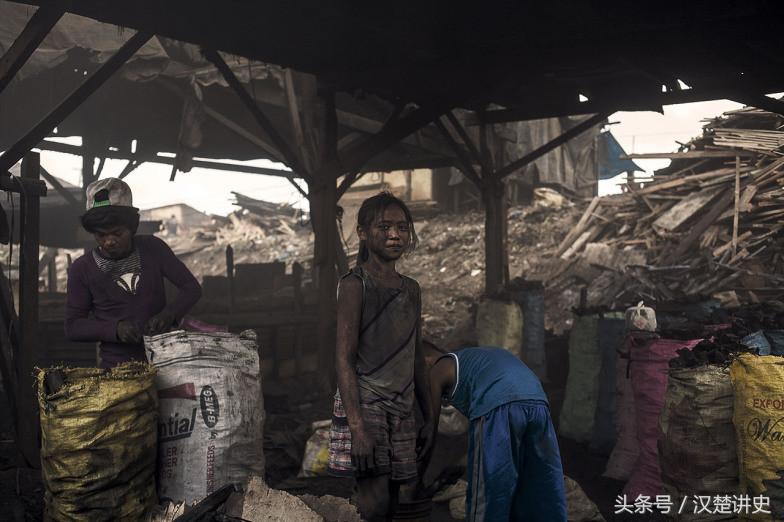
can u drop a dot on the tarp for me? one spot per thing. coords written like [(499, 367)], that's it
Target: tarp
[(572, 165), (609, 153)]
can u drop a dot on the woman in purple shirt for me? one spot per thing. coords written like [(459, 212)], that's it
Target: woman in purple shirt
[(116, 292)]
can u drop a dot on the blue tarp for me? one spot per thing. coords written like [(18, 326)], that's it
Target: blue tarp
[(609, 153)]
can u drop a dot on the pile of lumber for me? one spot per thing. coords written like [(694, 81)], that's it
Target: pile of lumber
[(710, 223)]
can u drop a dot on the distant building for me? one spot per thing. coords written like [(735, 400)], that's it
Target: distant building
[(186, 216)]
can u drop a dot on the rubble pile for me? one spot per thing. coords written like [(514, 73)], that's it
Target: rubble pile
[(276, 233), (710, 224), (449, 261)]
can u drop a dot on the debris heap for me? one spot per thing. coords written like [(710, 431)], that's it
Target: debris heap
[(710, 224), (261, 232), (450, 260)]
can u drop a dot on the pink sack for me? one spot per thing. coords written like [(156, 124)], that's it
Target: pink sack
[(189, 324), (649, 372)]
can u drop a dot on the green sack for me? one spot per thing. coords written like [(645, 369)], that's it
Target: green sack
[(582, 387), (99, 442)]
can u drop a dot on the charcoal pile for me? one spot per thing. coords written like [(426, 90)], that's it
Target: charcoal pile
[(755, 317), (719, 349), (709, 224)]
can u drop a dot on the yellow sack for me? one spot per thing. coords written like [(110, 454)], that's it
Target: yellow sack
[(759, 424), (99, 442)]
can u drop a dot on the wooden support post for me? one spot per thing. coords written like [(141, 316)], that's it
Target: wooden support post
[(9, 330), (52, 274), (28, 356), (494, 198), (496, 257), (230, 276), (735, 213), (296, 281), (323, 211), (88, 167), (341, 260), (62, 111), (27, 42), (323, 218)]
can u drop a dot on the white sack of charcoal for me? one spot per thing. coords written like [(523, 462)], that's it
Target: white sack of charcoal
[(211, 411)]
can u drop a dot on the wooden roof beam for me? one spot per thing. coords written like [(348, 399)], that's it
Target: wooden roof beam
[(356, 154), (74, 100), (130, 167), (139, 159), (27, 42), (61, 190), (462, 154), (291, 158), (450, 116)]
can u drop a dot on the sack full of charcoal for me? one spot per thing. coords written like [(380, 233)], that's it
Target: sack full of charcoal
[(211, 411)]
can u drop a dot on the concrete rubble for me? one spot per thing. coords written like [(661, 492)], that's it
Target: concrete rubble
[(260, 503), (333, 509)]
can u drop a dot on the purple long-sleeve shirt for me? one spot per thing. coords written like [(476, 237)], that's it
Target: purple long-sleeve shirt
[(95, 303)]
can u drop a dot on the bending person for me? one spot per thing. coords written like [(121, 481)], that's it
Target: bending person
[(514, 465)]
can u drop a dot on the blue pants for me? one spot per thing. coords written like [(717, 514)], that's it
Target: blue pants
[(514, 466)]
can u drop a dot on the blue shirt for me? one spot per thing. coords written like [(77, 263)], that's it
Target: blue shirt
[(489, 377)]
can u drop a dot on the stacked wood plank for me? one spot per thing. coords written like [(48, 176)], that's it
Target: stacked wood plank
[(705, 225)]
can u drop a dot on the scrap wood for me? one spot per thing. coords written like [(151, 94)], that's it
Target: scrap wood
[(578, 228), (716, 210), (702, 225), (727, 246), (674, 183), (744, 205), (678, 214)]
